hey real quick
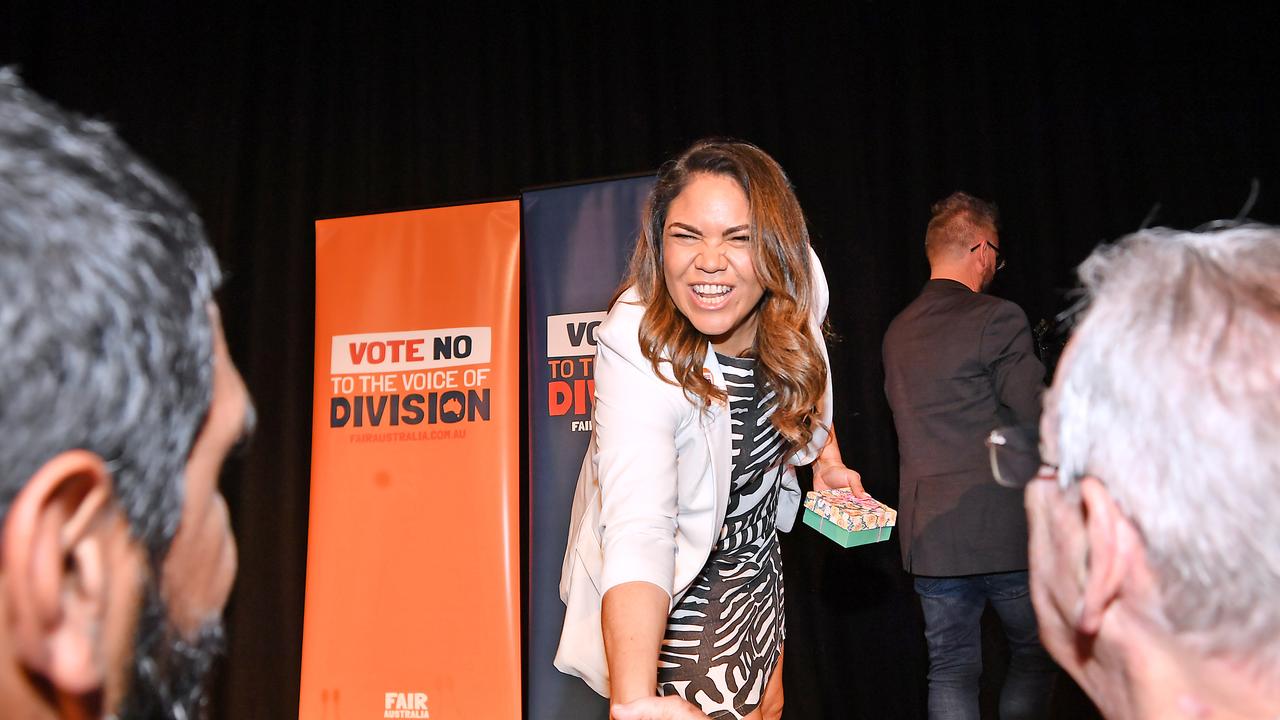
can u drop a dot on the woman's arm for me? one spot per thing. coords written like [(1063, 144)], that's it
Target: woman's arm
[(830, 473), (633, 618), (671, 707), (637, 416)]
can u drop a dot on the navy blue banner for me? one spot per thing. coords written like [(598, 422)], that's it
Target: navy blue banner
[(577, 240)]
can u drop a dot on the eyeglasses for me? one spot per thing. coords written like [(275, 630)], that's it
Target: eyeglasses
[(1015, 456), (994, 249)]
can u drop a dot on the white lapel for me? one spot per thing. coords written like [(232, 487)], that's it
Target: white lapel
[(715, 423)]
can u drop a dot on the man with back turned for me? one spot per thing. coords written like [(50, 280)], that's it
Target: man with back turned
[(959, 363)]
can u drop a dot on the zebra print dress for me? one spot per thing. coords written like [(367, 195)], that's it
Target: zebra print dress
[(724, 637)]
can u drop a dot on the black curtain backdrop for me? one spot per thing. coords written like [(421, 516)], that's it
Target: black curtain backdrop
[(1077, 120)]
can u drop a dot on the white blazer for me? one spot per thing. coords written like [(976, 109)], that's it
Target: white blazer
[(654, 484)]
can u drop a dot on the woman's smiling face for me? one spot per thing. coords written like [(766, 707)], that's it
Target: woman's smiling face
[(707, 261)]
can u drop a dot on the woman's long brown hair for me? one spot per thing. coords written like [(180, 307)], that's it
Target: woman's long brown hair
[(787, 354)]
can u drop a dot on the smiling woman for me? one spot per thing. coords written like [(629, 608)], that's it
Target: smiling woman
[(712, 384)]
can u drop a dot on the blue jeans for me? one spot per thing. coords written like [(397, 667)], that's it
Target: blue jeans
[(952, 627)]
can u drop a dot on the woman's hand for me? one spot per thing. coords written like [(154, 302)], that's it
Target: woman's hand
[(671, 707), (834, 476)]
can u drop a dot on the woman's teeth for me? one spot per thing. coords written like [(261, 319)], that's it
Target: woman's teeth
[(711, 291)]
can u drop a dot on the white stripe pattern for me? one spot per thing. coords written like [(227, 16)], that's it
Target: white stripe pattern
[(724, 637)]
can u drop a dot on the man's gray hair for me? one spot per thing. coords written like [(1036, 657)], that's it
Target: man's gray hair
[(106, 343), (1171, 398)]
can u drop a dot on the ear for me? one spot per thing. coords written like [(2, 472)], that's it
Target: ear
[(54, 560), (1112, 542)]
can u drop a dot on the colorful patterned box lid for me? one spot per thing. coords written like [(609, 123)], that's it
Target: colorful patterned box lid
[(848, 512)]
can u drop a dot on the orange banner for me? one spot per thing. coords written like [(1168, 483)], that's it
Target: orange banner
[(413, 585)]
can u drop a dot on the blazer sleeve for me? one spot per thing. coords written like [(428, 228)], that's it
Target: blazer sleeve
[(1017, 373), (820, 293), (637, 416)]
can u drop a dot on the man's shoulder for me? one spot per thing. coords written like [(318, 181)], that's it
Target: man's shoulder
[(943, 317), (995, 301), (983, 307), (943, 305), (1002, 311)]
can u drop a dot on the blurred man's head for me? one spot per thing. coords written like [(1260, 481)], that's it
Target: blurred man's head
[(963, 240), (120, 404), (1156, 552)]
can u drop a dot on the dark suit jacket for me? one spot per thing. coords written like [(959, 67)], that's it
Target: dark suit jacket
[(957, 365)]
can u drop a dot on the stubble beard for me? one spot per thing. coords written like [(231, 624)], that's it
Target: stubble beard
[(170, 672)]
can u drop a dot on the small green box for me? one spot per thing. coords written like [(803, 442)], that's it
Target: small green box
[(848, 520), (842, 537)]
